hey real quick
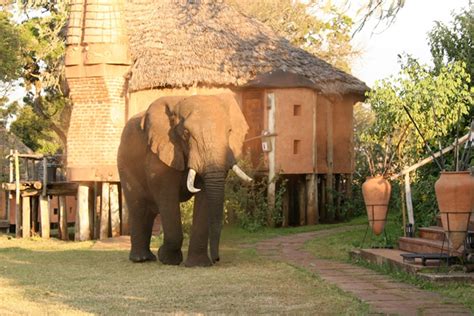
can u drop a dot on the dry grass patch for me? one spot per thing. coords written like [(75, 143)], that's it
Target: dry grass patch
[(53, 277)]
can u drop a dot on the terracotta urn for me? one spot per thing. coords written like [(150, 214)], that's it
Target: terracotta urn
[(455, 196), (376, 191)]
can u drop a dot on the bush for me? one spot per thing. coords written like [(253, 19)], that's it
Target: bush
[(247, 205)]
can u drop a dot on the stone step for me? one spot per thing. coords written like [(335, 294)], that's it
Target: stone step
[(432, 233), (421, 245)]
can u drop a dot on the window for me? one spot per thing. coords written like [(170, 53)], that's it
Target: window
[(297, 110), (296, 146)]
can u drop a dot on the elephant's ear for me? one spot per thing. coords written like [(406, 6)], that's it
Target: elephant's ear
[(239, 127), (157, 123)]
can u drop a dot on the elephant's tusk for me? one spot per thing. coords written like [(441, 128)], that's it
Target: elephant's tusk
[(241, 174), (190, 181)]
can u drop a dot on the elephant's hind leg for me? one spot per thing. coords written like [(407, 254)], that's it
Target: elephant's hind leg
[(142, 215), (141, 226)]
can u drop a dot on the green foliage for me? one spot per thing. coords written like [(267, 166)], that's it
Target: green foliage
[(247, 204), (318, 27)]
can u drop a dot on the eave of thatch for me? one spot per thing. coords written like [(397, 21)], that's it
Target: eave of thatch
[(177, 44)]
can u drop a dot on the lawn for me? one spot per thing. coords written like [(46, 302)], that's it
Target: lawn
[(55, 277)]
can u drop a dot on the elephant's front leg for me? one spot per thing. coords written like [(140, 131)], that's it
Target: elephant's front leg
[(197, 253)]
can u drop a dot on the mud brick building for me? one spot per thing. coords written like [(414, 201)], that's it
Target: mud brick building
[(121, 55)]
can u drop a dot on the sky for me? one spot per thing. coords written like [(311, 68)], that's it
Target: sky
[(408, 34)]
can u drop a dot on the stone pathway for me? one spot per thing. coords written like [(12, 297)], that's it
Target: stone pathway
[(382, 293)]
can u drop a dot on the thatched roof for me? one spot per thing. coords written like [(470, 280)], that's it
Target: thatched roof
[(177, 44)]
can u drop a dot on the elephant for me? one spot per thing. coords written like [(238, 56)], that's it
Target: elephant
[(180, 147)]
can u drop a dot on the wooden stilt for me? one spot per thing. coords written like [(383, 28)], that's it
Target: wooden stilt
[(26, 217), (323, 204), (271, 159), (125, 220), (348, 193), (302, 201), (114, 210), (18, 211), (312, 198), (338, 189), (83, 210), (286, 207), (34, 214), (330, 163), (45, 221), (104, 214), (63, 230), (97, 205)]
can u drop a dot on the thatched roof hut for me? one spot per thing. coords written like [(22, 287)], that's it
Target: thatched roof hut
[(178, 44)]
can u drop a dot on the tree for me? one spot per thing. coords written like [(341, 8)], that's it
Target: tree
[(324, 35), (435, 101), (384, 11), (42, 71), (454, 41)]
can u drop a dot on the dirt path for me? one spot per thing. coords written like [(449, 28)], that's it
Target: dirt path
[(382, 293)]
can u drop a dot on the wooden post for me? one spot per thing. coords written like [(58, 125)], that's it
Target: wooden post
[(285, 205), (302, 201), (338, 189), (348, 192), (312, 215), (45, 222), (271, 158), (411, 218), (104, 214), (330, 162), (63, 230), (26, 217), (323, 203), (312, 180), (83, 210), (96, 211), (18, 212), (125, 220), (114, 210), (34, 214)]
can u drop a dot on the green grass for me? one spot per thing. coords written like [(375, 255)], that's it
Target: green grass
[(337, 246), (54, 277)]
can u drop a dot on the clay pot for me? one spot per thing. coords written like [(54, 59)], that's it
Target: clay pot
[(376, 191), (455, 196)]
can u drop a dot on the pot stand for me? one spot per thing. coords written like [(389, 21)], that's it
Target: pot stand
[(372, 221), (449, 232)]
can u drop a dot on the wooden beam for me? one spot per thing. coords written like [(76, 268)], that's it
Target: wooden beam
[(45, 221), (114, 210), (105, 209), (18, 211), (62, 188), (323, 204), (338, 189), (26, 217), (83, 210), (409, 202), (63, 230)]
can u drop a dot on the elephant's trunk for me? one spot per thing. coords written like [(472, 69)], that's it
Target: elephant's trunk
[(214, 183)]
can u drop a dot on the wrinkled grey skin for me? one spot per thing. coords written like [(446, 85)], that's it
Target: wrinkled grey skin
[(157, 149)]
